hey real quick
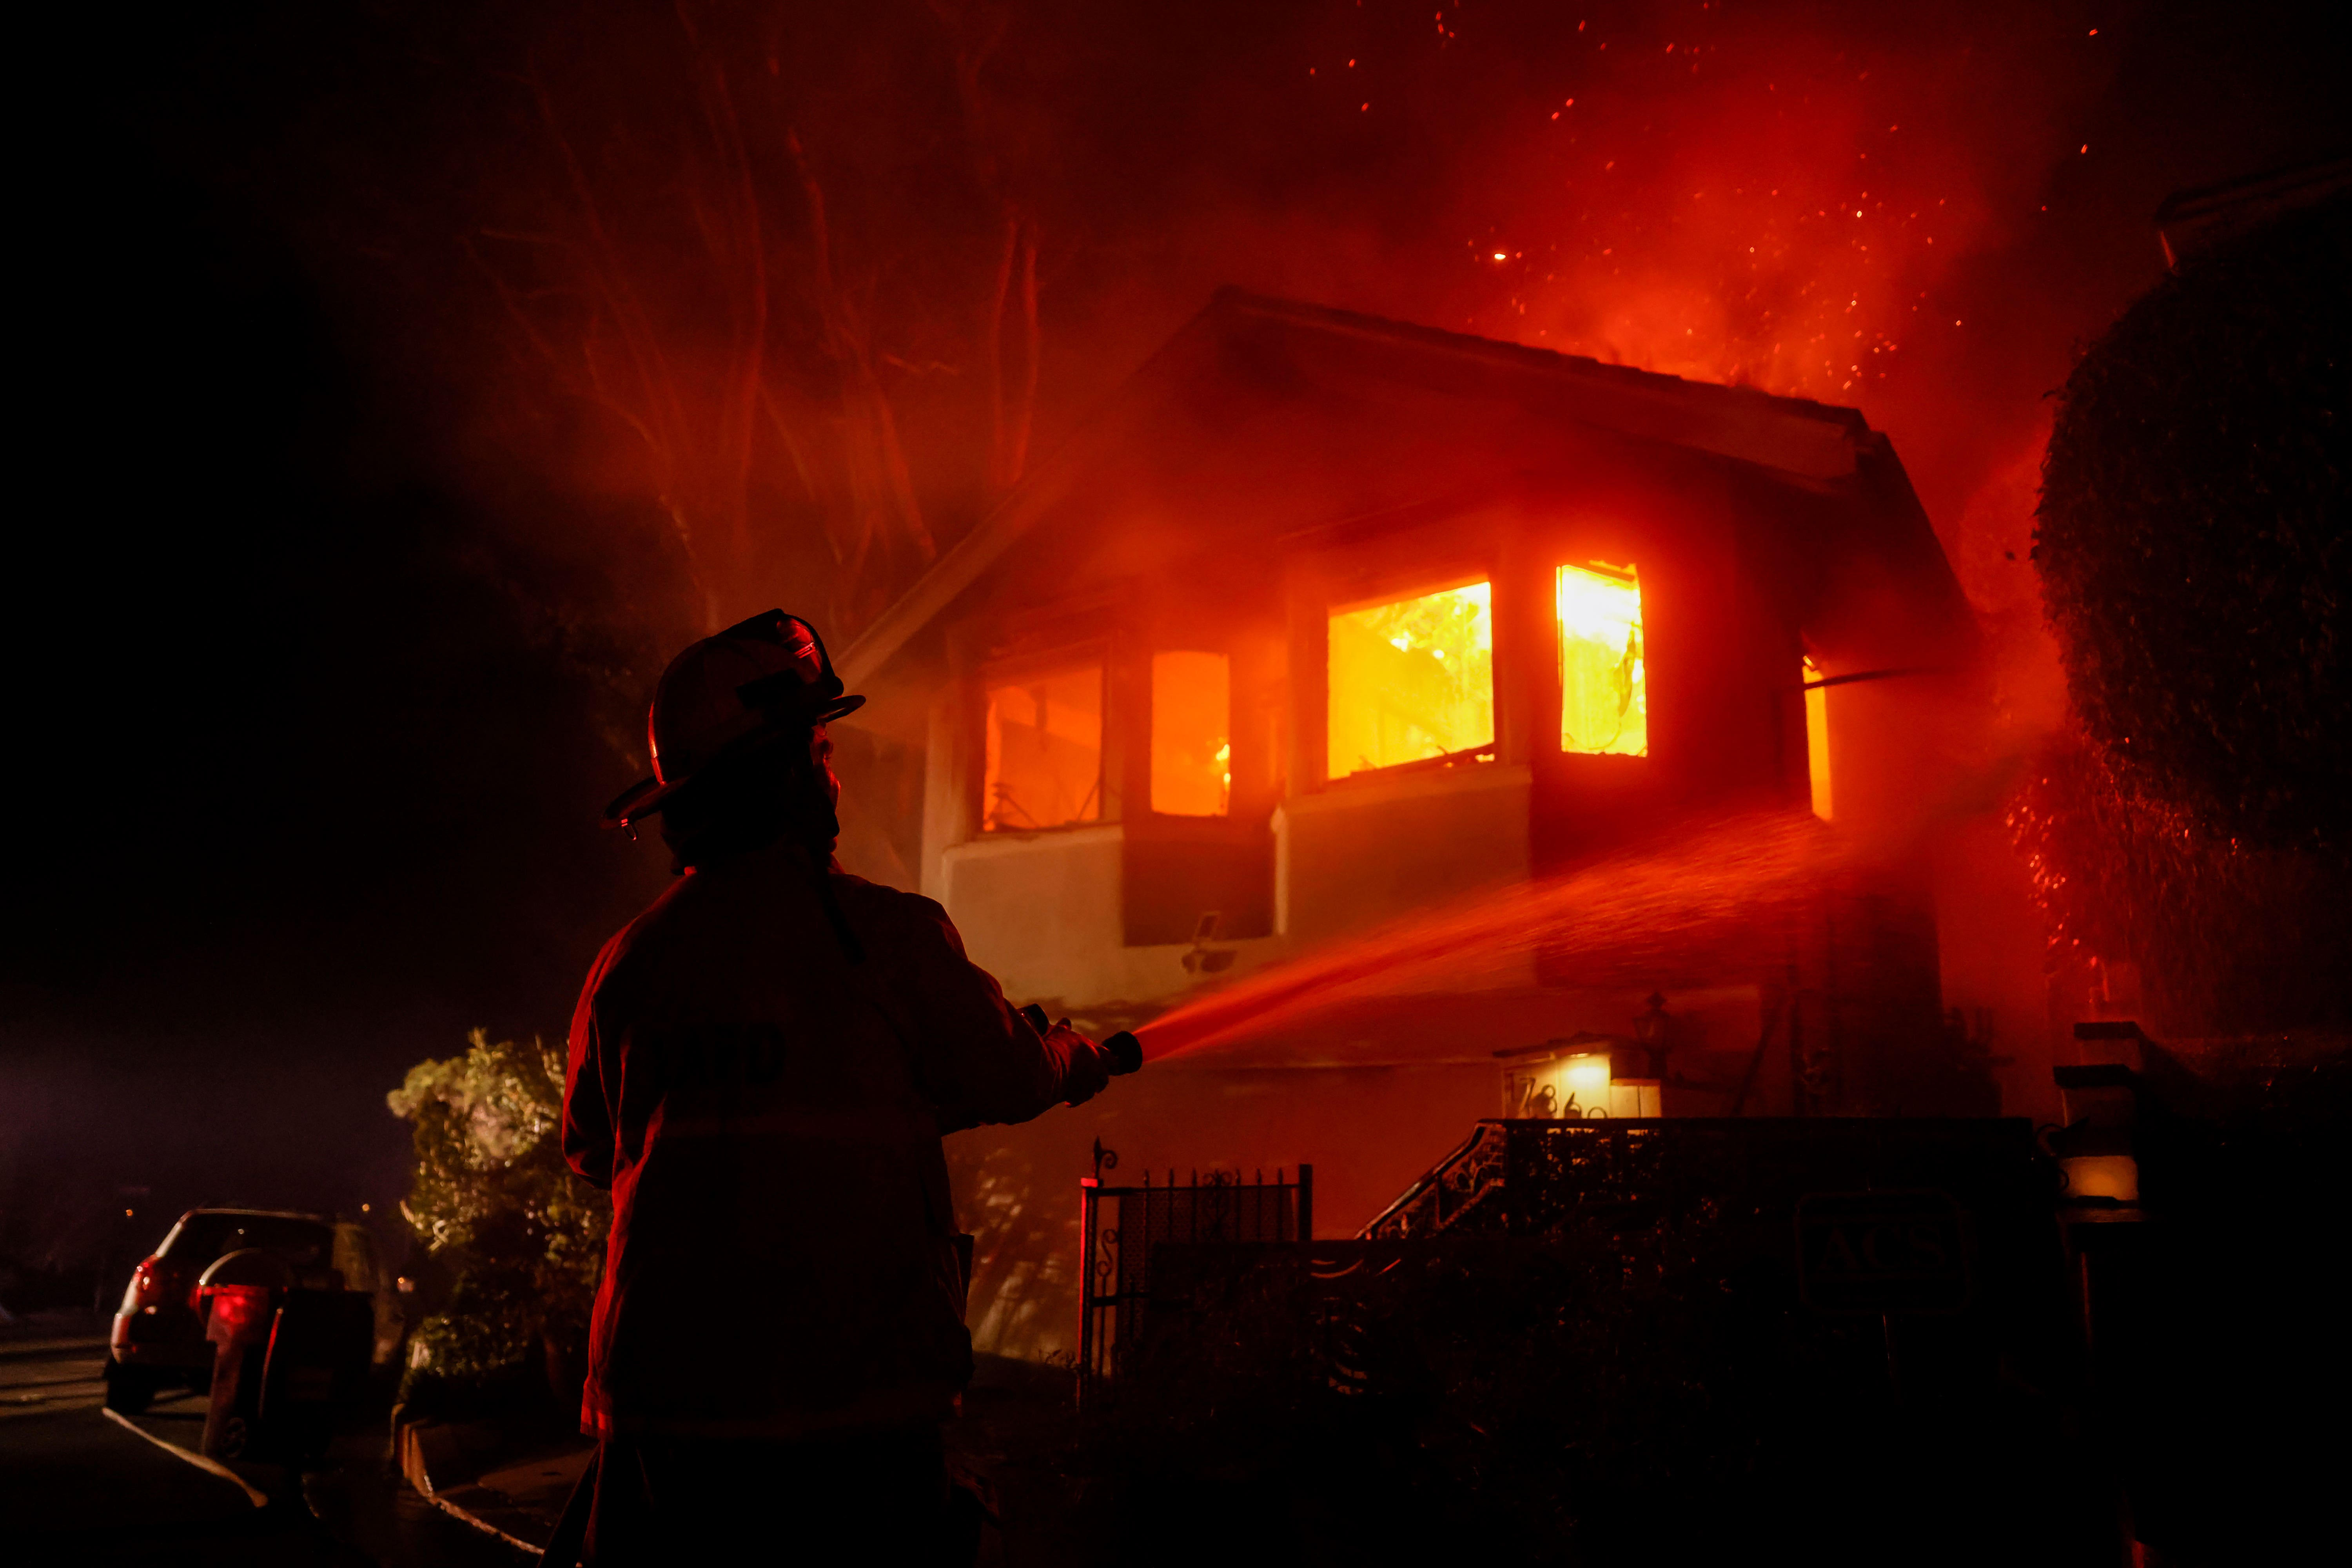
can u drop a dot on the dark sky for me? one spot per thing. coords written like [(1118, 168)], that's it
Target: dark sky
[(345, 557)]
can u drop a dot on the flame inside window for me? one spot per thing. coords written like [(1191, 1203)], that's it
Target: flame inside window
[(1044, 764), (1604, 704), (1192, 746), (1412, 679), (1817, 739)]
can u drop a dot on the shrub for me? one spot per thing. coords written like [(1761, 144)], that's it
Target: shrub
[(497, 1207), (2229, 938), (2191, 536)]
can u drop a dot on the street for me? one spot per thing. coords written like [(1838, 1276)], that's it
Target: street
[(81, 1486)]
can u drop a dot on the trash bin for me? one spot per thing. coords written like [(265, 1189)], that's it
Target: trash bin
[(287, 1354), (238, 1298), (318, 1356)]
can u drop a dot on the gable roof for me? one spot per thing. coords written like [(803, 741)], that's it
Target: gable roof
[(1811, 440)]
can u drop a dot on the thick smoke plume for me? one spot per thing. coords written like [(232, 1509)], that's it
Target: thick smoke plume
[(809, 288)]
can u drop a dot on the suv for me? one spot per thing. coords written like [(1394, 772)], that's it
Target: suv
[(159, 1337)]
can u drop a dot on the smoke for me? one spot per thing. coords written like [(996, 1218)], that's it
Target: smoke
[(806, 289)]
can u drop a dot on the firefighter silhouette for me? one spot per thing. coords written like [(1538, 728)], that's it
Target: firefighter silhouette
[(762, 1067)]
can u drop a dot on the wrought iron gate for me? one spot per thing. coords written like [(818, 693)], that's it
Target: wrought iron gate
[(1119, 1226)]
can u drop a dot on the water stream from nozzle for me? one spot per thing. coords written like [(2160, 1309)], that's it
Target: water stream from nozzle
[(1718, 897)]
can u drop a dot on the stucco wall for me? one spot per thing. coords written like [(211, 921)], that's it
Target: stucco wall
[(1040, 913), (1364, 852)]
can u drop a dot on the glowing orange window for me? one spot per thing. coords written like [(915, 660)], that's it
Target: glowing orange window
[(1412, 679), (1044, 764), (1605, 702), (1817, 738), (1192, 747)]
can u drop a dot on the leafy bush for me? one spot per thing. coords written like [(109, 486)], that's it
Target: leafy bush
[(496, 1206), (2192, 537), (2228, 938)]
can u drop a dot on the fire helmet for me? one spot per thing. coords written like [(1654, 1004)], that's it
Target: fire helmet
[(766, 676)]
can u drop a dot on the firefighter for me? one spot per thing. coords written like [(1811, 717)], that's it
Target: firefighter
[(762, 1067)]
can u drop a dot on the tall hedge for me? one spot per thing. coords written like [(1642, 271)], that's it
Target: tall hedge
[(2191, 537)]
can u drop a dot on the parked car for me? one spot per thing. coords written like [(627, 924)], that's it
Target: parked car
[(159, 1336)]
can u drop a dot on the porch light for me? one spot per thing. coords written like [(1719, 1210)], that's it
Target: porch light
[(1604, 703), (1575, 1079), (1587, 1080)]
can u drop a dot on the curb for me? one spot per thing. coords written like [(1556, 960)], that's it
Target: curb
[(420, 1446), (254, 1494)]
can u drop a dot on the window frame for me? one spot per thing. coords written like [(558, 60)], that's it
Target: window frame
[(1146, 729), (1557, 683), (1397, 585), (1096, 653)]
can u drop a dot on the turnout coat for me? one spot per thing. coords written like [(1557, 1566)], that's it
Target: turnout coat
[(768, 1116)]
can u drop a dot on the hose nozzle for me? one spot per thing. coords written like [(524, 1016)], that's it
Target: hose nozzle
[(1125, 1053)]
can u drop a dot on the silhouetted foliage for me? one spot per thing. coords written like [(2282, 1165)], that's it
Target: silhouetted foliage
[(2228, 938), (496, 1205), (2191, 536)]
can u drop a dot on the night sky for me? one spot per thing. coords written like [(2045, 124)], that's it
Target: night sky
[(410, 380)]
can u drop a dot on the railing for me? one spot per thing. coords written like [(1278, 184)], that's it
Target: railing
[(1528, 1177), (1118, 1226), (1471, 1175)]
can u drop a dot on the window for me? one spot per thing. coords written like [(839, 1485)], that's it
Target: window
[(1817, 738), (1191, 748), (1410, 680), (1044, 766), (1604, 706)]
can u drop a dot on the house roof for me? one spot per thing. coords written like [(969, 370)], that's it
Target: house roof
[(1811, 441)]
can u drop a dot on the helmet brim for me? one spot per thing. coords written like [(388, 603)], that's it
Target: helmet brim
[(649, 795)]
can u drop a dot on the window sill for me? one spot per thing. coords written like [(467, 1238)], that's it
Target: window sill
[(1376, 788), (1012, 838)]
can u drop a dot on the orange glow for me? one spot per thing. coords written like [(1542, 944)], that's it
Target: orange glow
[(1758, 211), (1044, 764), (1817, 739), (1410, 680), (1192, 749), (1576, 1088), (1605, 702)]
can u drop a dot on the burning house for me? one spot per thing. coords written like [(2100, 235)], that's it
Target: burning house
[(1323, 622)]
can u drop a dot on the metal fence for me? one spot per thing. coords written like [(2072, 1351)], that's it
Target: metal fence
[(1120, 1226)]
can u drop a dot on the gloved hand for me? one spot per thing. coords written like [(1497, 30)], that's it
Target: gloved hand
[(1085, 1066), (1089, 1066)]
